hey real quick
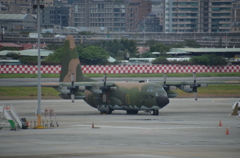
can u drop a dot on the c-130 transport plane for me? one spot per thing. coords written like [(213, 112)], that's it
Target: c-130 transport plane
[(109, 96)]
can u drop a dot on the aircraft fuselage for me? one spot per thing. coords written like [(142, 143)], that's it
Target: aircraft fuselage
[(129, 96)]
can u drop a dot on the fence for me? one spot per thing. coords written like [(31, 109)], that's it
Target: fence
[(32, 69)]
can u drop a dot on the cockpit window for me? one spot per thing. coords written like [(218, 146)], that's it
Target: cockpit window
[(155, 89), (150, 89)]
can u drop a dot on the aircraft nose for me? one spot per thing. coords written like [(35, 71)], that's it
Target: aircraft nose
[(162, 101)]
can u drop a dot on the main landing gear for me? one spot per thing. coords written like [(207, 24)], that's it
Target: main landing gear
[(107, 111), (132, 111), (154, 112)]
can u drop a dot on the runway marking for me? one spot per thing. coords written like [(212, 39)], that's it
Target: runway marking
[(146, 128)]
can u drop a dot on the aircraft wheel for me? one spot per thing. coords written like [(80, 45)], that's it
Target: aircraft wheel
[(135, 112), (129, 112), (132, 111), (109, 111), (154, 112)]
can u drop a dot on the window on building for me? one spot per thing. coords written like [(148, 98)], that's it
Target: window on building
[(221, 3), (76, 8)]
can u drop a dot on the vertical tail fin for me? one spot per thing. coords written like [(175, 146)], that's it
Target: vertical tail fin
[(71, 63)]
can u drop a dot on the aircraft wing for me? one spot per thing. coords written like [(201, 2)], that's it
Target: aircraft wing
[(56, 84), (87, 84), (191, 86), (179, 83), (29, 84)]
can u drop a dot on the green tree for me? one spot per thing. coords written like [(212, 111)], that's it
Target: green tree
[(56, 56), (29, 60), (148, 55), (161, 60), (13, 55), (119, 48), (177, 45), (113, 47), (129, 45), (159, 48), (8, 48), (93, 55), (208, 59)]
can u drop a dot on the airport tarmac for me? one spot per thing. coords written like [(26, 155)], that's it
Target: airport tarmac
[(183, 129)]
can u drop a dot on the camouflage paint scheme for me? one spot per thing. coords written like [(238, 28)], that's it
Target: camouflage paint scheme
[(71, 63), (123, 96)]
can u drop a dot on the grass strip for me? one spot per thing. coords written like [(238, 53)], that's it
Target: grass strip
[(237, 74), (221, 90)]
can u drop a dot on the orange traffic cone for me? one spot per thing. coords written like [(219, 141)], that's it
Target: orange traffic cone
[(92, 125), (227, 133), (220, 123)]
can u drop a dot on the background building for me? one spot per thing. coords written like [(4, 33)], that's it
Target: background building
[(197, 16), (117, 16), (236, 16), (158, 10), (150, 24), (17, 22), (136, 12), (56, 16)]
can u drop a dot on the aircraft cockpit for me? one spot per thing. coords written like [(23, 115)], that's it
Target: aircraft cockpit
[(158, 90)]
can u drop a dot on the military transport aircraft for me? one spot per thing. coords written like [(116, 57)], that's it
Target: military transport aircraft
[(110, 96)]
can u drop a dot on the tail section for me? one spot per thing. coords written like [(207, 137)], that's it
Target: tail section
[(71, 63)]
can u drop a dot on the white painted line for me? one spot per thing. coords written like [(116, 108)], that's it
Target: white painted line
[(144, 128)]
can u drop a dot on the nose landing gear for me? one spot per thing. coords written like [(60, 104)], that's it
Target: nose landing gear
[(154, 112)]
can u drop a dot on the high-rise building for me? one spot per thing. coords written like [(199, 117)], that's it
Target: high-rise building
[(56, 15), (236, 11), (236, 16), (197, 16), (116, 15), (158, 10), (137, 10)]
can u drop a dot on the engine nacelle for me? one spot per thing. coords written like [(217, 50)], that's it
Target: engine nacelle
[(81, 88), (189, 88), (113, 88), (78, 95), (171, 94)]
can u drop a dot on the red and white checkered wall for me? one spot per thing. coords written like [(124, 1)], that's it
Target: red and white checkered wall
[(32, 69)]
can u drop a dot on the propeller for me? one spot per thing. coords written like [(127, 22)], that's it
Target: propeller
[(73, 88), (164, 82), (104, 88), (194, 86)]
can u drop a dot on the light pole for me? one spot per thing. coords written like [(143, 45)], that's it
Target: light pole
[(3, 32), (144, 38), (37, 5)]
